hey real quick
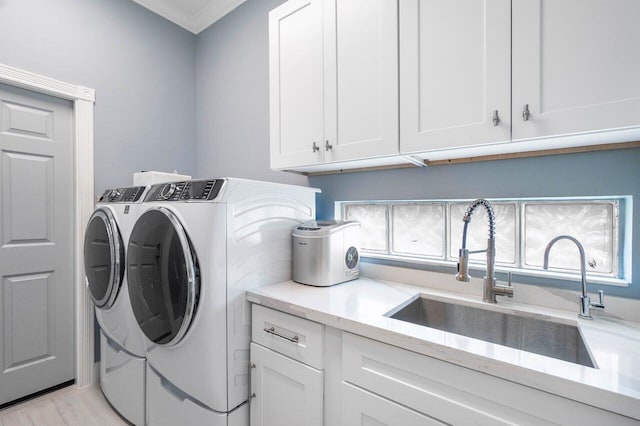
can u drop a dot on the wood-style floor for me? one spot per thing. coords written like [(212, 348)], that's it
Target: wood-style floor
[(68, 406)]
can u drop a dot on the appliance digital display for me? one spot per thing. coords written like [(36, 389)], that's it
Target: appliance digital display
[(198, 190)]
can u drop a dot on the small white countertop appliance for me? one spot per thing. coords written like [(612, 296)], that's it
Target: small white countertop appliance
[(326, 252)]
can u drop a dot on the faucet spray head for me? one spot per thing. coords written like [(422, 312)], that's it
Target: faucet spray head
[(463, 266)]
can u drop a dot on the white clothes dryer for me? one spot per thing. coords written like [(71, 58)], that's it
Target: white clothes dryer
[(122, 347), (193, 252)]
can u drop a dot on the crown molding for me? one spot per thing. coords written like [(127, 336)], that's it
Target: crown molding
[(196, 22), (213, 12), (168, 11)]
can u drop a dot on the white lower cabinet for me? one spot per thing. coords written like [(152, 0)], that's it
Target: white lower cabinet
[(360, 407), (284, 392), (457, 395), (306, 373), (287, 381)]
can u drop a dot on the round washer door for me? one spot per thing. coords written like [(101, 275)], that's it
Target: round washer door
[(103, 258), (163, 276)]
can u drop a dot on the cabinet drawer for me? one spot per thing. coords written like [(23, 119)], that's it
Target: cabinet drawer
[(360, 407), (295, 337), (454, 394)]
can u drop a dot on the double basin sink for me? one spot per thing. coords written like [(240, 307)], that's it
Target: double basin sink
[(539, 336)]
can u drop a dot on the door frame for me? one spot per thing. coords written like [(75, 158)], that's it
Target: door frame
[(83, 99)]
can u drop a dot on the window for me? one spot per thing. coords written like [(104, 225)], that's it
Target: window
[(418, 229), (506, 231), (593, 224), (431, 232), (373, 225)]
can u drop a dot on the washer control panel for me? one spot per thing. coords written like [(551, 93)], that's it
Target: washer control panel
[(122, 195), (191, 190)]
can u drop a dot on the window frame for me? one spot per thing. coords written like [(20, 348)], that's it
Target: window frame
[(621, 234)]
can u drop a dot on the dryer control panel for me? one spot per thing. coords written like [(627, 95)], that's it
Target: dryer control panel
[(122, 195), (191, 190)]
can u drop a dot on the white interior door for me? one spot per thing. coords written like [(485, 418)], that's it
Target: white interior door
[(36, 235), (576, 64)]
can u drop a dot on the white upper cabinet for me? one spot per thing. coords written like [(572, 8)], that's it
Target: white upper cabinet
[(333, 81), (296, 83), (361, 79), (366, 83), (455, 73), (576, 64)]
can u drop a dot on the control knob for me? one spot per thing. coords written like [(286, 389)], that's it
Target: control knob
[(114, 195), (167, 191)]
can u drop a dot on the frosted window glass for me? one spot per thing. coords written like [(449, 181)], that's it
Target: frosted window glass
[(432, 231), (373, 224), (418, 229), (590, 223), (478, 231)]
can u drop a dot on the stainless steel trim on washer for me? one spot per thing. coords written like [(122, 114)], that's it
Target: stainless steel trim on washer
[(187, 252), (115, 249)]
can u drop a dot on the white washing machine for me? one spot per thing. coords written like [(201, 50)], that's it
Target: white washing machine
[(122, 345), (193, 252)]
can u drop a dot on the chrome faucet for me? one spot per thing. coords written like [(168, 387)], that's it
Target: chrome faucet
[(490, 288), (585, 301)]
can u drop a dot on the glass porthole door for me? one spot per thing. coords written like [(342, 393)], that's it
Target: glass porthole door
[(103, 258), (163, 276)]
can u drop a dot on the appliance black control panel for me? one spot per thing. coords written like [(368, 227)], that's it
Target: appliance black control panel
[(122, 195), (191, 190)]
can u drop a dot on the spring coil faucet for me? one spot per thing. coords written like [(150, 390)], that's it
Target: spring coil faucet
[(490, 288)]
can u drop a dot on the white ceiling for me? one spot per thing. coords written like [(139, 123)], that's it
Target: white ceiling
[(193, 15)]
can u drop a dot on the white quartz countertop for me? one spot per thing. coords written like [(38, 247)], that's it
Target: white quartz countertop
[(360, 306)]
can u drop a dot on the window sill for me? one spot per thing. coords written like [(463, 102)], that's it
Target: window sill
[(551, 275)]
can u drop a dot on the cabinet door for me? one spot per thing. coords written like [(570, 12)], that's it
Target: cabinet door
[(287, 392), (576, 64), (361, 79), (454, 73), (360, 407), (295, 82)]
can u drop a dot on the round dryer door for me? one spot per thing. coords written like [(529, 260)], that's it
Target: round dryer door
[(163, 276), (103, 258)]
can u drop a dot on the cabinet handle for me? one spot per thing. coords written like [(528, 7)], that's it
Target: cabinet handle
[(315, 147), (495, 118), (273, 331), (327, 145), (251, 393), (525, 112)]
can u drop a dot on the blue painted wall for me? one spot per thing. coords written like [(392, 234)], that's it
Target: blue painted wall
[(586, 174), (232, 100), (233, 134), (141, 66)]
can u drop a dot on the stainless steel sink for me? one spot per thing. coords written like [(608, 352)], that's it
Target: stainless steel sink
[(543, 337)]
